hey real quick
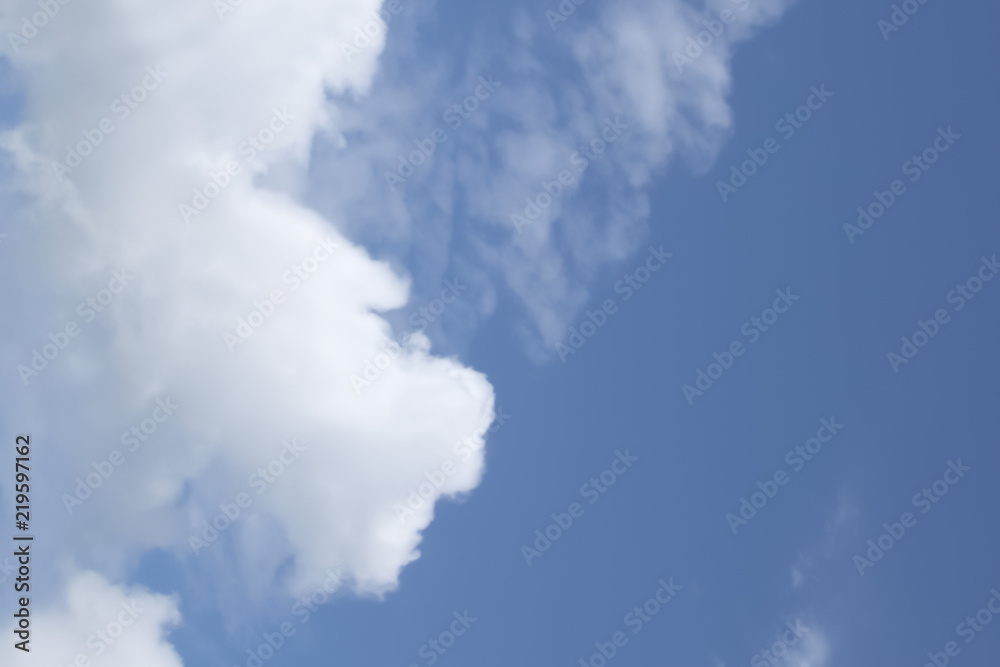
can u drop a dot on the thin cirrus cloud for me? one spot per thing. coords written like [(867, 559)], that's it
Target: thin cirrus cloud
[(629, 66)]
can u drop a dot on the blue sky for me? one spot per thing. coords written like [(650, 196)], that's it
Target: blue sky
[(665, 516)]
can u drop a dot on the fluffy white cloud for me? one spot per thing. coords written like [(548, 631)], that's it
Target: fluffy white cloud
[(107, 625), (201, 92)]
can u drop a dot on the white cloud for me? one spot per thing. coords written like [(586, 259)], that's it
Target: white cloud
[(218, 82), (626, 59), (841, 520), (812, 651), (111, 626), (796, 644)]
